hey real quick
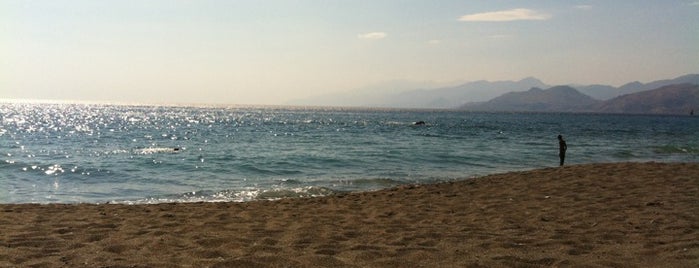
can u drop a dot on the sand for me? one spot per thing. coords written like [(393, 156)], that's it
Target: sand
[(594, 215)]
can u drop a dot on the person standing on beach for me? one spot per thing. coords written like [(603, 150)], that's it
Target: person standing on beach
[(562, 147)]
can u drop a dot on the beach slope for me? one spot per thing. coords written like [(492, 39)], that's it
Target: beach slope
[(611, 215)]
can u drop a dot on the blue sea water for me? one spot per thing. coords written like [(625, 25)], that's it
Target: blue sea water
[(79, 153)]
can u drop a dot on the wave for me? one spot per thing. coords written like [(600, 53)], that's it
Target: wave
[(675, 149), (366, 184), (256, 170), (246, 195)]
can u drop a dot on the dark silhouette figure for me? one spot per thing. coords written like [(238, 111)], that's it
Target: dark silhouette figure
[(562, 147)]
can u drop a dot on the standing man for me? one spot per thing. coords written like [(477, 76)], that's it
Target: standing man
[(562, 147)]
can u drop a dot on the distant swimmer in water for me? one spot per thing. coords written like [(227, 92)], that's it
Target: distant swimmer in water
[(562, 147), (419, 123)]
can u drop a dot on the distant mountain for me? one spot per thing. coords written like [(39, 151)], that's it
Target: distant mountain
[(450, 97), (672, 99), (604, 92), (636, 87), (407, 94), (443, 97), (600, 92), (555, 99)]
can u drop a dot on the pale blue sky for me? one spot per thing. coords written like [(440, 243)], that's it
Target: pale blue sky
[(270, 52)]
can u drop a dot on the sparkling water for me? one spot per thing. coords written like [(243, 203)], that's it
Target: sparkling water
[(78, 153)]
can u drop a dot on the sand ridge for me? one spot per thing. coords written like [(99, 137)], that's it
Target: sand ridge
[(595, 215)]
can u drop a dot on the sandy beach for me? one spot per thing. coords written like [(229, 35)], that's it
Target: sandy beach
[(594, 215)]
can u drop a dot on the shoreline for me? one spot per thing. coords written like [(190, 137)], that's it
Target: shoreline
[(615, 214)]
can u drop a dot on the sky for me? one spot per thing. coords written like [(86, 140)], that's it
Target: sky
[(272, 52)]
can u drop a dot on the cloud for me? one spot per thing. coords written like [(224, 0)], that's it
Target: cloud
[(434, 42), (695, 3), (584, 7), (507, 15), (372, 35)]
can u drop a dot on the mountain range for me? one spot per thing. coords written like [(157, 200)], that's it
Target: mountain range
[(555, 99), (450, 97), (603, 92), (487, 94), (670, 99)]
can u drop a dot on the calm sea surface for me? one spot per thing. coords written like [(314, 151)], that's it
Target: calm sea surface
[(69, 153)]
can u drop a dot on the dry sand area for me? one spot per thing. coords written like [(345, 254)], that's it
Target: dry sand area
[(594, 215)]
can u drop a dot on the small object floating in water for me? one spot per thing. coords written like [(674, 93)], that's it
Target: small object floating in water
[(155, 150), (419, 123)]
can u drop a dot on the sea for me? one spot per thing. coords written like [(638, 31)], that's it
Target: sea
[(96, 153)]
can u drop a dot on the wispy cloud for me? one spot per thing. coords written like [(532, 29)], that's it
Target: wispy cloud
[(584, 7), (372, 35), (695, 3), (507, 15)]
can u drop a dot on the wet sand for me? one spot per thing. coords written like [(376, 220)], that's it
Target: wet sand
[(595, 215)]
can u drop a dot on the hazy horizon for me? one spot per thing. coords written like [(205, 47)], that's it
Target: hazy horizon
[(273, 52)]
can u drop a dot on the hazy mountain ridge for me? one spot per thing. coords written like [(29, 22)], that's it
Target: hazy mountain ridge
[(671, 99), (559, 98), (449, 97), (604, 92), (439, 98), (398, 95)]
